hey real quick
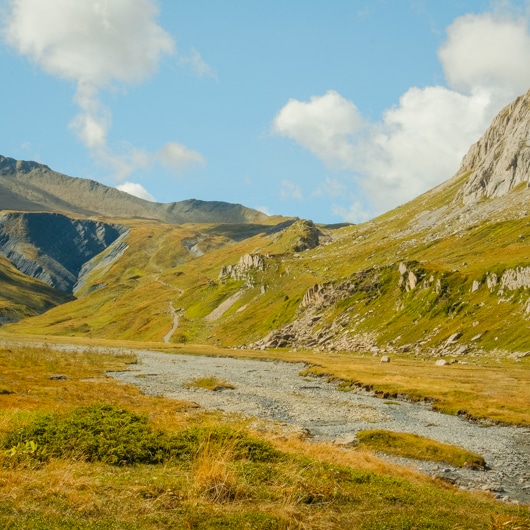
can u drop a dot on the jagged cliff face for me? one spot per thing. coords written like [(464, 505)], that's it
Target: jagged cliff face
[(52, 247), (500, 160)]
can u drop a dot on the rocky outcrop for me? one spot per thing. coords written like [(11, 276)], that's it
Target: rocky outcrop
[(52, 247), (510, 280), (100, 264), (308, 331), (500, 160), (308, 238), (245, 268)]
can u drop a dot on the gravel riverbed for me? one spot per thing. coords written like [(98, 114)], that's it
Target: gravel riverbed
[(276, 391)]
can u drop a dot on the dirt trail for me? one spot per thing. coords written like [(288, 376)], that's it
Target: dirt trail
[(175, 325)]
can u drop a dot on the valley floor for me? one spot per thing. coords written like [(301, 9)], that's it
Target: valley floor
[(274, 390)]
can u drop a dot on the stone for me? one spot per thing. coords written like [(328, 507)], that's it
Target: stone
[(349, 440), (385, 359), (453, 338), (441, 362)]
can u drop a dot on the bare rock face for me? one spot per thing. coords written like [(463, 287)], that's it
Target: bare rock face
[(53, 247), (244, 268), (500, 160)]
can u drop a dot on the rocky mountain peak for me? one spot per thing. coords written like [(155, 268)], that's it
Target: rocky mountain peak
[(500, 160), (9, 166)]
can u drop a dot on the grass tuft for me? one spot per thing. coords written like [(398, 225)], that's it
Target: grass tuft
[(414, 446), (211, 383)]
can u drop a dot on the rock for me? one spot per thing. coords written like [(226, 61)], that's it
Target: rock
[(500, 160), (517, 278), (412, 281), (476, 286), (247, 264), (58, 377), (385, 359), (441, 362), (453, 338), (349, 440)]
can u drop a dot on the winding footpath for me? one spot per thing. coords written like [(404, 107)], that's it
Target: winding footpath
[(275, 391), (175, 323)]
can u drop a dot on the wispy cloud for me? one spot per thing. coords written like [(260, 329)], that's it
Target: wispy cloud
[(97, 45), (195, 61), (290, 190)]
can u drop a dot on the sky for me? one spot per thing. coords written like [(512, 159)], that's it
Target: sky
[(335, 110)]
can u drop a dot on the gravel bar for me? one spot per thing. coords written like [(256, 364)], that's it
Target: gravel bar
[(275, 390)]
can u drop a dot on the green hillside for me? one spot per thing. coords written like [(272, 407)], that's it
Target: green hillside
[(21, 296), (391, 283)]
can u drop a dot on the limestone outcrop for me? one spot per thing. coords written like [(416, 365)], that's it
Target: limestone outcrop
[(500, 160), (244, 269)]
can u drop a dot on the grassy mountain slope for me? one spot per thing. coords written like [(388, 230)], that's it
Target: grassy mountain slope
[(366, 273), (21, 296)]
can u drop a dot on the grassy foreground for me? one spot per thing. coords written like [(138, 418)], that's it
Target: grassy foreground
[(203, 476)]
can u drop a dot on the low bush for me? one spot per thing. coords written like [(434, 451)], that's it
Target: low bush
[(104, 433)]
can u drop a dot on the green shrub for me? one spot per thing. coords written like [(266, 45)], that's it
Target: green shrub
[(96, 433), (105, 433)]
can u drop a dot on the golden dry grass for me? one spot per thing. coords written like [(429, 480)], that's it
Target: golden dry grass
[(314, 486)]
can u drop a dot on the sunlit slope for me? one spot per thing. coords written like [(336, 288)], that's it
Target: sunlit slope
[(21, 296), (130, 299), (396, 282)]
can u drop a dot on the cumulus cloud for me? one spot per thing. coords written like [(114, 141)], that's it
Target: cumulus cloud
[(133, 188), (325, 125), (487, 50), (419, 142), (96, 44)]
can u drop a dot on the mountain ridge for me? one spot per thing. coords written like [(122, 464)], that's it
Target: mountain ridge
[(30, 186)]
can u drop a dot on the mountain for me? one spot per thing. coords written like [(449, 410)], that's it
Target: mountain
[(447, 274), (29, 186)]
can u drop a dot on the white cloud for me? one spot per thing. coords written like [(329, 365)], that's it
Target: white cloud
[(290, 190), (96, 44), (420, 142), (132, 188), (89, 42), (178, 157), (325, 125), (487, 50)]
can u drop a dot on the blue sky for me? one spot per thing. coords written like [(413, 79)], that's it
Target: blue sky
[(331, 111)]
